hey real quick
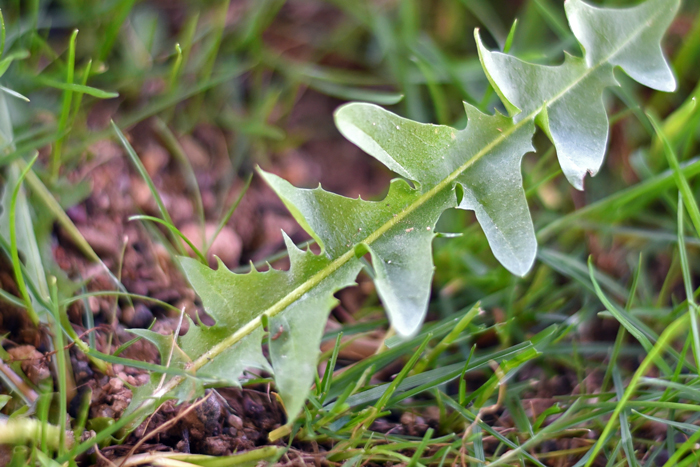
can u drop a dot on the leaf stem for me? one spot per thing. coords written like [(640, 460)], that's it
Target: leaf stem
[(447, 183)]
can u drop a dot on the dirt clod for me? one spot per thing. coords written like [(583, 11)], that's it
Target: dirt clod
[(32, 362)]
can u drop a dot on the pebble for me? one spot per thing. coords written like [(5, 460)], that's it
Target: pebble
[(138, 316), (94, 304), (226, 246), (198, 156), (116, 384), (127, 314), (142, 379), (31, 361), (209, 413), (141, 195), (154, 159), (235, 421)]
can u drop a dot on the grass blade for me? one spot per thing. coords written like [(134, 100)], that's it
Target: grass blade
[(147, 178), (680, 178), (662, 344)]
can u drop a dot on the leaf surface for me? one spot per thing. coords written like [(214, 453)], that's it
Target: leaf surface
[(629, 38), (484, 159), (567, 100), (402, 258), (221, 352), (476, 168)]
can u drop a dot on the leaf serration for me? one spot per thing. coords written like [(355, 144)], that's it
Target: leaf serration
[(477, 168)]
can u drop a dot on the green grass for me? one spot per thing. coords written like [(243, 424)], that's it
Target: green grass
[(622, 256)]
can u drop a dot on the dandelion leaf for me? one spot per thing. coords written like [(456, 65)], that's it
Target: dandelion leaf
[(477, 168), (567, 100), (401, 253), (295, 334), (484, 159), (629, 38), (235, 301), (398, 231)]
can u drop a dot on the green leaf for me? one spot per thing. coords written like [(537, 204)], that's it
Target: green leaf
[(8, 59), (26, 240), (398, 230), (4, 399), (353, 93), (476, 168), (401, 258), (6, 133), (237, 302), (24, 229), (89, 90), (295, 334), (567, 100), (628, 38)]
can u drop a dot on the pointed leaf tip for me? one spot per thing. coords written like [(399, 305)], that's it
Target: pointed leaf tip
[(487, 63), (574, 116), (627, 37), (294, 201), (369, 127)]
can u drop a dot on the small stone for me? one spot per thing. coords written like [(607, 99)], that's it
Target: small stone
[(226, 246), (142, 379), (127, 315), (115, 384), (154, 159), (195, 152), (209, 413), (408, 418), (179, 207), (105, 411), (32, 362), (94, 304), (138, 317), (216, 446), (142, 317), (141, 195), (235, 421)]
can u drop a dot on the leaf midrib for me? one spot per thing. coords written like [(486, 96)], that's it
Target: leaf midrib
[(336, 264)]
